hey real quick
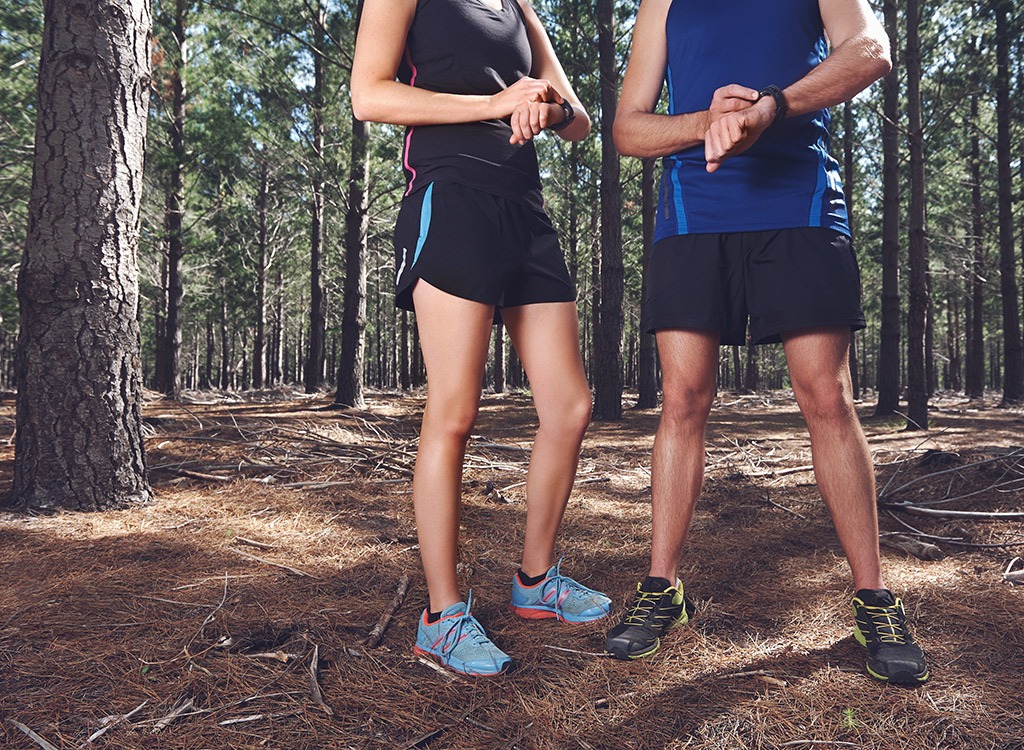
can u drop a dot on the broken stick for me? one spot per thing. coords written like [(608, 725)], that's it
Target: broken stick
[(377, 634)]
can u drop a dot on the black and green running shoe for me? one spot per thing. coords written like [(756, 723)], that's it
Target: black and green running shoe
[(654, 611), (881, 627)]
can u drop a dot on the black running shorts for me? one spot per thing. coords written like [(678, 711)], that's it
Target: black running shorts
[(783, 280), (478, 246)]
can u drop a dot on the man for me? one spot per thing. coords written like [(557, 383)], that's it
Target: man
[(752, 223)]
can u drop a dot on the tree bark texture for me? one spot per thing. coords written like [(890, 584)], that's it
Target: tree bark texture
[(353, 321), (608, 341), (1013, 353), (888, 376), (314, 367), (79, 422), (647, 367), (917, 313)]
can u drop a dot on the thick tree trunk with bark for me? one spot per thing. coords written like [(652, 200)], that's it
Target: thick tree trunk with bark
[(353, 322), (79, 423), (1013, 353), (917, 314), (607, 364), (647, 367), (976, 328), (314, 368), (889, 344)]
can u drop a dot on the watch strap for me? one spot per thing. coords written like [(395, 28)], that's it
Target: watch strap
[(568, 115), (781, 105)]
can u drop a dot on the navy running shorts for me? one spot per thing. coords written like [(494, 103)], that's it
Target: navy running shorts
[(782, 280), (480, 247)]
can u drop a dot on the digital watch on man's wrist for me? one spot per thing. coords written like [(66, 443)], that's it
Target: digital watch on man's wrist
[(568, 115), (781, 105)]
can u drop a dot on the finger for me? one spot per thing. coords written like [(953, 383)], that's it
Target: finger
[(535, 125), (735, 91)]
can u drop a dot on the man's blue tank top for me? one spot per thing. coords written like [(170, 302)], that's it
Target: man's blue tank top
[(787, 179)]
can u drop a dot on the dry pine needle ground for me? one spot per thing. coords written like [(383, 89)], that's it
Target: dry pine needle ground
[(231, 612)]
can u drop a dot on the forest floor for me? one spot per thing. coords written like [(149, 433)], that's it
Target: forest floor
[(231, 612)]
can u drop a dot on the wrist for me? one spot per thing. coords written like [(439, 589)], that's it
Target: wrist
[(779, 105)]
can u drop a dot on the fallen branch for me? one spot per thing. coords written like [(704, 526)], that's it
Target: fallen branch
[(34, 737), (374, 638), (293, 571), (253, 543), (920, 549), (916, 510)]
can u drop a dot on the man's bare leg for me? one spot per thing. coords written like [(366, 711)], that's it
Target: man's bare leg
[(820, 373), (688, 362)]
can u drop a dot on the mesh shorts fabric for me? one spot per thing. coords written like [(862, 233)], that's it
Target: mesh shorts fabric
[(480, 247), (781, 280)]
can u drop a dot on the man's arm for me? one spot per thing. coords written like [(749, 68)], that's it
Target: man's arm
[(638, 131), (859, 57)]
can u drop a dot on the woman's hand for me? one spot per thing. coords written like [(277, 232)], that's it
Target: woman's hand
[(526, 89), (530, 118)]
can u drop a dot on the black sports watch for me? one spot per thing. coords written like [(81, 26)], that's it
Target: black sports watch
[(568, 115), (781, 105)]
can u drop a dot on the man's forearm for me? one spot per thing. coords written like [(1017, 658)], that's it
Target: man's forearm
[(848, 70), (648, 135)]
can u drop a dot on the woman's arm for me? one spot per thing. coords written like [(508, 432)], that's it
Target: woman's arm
[(377, 96), (530, 118)]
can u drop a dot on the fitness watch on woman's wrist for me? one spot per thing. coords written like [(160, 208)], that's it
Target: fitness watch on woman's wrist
[(568, 115)]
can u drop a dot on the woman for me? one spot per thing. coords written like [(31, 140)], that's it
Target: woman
[(477, 80)]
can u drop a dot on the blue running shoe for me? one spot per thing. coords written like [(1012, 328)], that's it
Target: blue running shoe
[(558, 596), (458, 641)]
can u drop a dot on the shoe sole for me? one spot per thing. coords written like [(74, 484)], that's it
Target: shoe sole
[(902, 679), (530, 613), (440, 660)]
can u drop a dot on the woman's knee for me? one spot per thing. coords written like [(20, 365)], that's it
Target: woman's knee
[(453, 417), (570, 414)]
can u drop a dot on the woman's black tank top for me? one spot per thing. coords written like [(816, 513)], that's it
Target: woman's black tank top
[(467, 47)]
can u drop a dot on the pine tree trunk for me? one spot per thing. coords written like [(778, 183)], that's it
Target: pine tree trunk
[(314, 368), (79, 443), (608, 332), (849, 177), (976, 329), (169, 378), (750, 379), (1013, 353), (888, 366), (357, 219), (917, 313), (499, 358), (225, 345), (259, 340), (647, 368), (207, 381)]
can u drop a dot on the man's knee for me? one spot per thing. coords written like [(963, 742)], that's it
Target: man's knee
[(686, 408), (825, 399)]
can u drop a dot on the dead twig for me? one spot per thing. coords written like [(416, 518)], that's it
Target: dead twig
[(374, 638), (580, 653), (920, 549), (109, 722), (253, 543), (34, 737), (1014, 576), (313, 680), (293, 571), (180, 708)]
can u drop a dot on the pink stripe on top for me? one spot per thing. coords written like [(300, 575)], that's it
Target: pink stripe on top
[(408, 135)]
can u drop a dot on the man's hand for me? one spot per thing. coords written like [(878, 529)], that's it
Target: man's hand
[(733, 132), (731, 98)]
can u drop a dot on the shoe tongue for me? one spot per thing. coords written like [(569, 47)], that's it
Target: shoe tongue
[(652, 584), (459, 608), (877, 597)]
